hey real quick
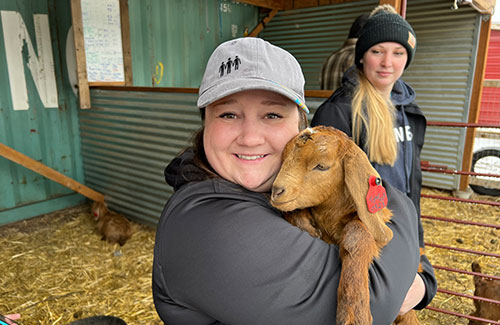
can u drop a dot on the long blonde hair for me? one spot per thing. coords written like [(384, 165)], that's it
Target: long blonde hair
[(374, 113)]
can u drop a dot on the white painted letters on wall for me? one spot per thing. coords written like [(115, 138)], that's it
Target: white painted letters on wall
[(41, 66)]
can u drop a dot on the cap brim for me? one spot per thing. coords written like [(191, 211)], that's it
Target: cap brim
[(233, 86)]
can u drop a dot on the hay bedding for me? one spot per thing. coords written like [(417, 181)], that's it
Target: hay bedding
[(55, 269), (460, 236)]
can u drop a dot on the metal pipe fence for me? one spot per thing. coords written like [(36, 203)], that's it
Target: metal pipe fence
[(489, 174)]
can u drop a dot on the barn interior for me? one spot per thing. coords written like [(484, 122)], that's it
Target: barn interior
[(81, 123)]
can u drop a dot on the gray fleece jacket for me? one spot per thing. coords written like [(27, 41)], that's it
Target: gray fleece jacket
[(224, 255)]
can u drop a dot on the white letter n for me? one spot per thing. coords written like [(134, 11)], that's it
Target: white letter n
[(41, 65)]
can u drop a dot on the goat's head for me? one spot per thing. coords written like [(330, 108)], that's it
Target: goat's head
[(99, 209), (321, 165)]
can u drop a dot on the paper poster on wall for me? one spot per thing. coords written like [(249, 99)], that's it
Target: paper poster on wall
[(103, 40)]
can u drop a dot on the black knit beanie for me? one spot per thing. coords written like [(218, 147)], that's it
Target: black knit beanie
[(384, 26)]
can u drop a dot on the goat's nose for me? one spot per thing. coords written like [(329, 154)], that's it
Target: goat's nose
[(277, 191)]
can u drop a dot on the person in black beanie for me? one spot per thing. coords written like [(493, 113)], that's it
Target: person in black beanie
[(378, 110)]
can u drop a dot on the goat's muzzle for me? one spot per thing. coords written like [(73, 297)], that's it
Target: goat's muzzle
[(276, 193)]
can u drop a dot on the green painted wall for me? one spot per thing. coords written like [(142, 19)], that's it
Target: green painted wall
[(47, 134), (180, 35)]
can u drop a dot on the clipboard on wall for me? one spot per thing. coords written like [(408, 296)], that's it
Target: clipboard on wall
[(103, 42), (102, 45)]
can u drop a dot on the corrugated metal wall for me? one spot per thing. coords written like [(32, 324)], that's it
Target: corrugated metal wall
[(47, 134), (490, 105), (441, 73), (312, 34), (490, 98), (172, 39), (128, 138), (493, 60)]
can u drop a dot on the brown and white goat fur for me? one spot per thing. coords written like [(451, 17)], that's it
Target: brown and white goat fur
[(322, 188), (113, 227)]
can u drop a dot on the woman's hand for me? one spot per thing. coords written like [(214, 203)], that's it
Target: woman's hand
[(414, 295), (11, 318)]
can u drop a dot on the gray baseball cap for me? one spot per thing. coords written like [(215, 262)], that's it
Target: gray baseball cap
[(251, 63)]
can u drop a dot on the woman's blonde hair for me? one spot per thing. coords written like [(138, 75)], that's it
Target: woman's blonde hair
[(375, 114)]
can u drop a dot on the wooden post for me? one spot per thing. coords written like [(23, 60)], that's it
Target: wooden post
[(48, 172), (475, 101), (81, 61), (127, 49), (395, 3), (263, 23)]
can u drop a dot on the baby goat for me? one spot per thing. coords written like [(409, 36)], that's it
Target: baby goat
[(486, 288), (322, 186), (113, 227)]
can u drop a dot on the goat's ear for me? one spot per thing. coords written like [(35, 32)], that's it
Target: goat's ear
[(357, 171)]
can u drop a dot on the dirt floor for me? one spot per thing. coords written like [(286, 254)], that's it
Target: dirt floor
[(55, 269)]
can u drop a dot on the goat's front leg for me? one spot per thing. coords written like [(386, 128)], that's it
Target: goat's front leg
[(357, 251), (303, 220), (410, 318)]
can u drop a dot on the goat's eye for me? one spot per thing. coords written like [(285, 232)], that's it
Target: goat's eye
[(321, 167)]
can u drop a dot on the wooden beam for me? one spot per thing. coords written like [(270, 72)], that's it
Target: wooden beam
[(127, 48), (263, 23), (270, 4), (107, 86), (475, 102), (48, 172), (488, 5), (318, 93), (93, 84), (297, 4), (81, 62), (395, 3)]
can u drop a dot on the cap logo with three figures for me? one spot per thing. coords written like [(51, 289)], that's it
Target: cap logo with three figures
[(225, 67)]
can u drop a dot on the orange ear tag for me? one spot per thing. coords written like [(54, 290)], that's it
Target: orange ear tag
[(376, 198)]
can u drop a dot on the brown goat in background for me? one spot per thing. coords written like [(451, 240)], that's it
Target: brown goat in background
[(323, 185), (486, 288), (113, 227)]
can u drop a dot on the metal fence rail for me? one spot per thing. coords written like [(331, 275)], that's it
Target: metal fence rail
[(429, 167)]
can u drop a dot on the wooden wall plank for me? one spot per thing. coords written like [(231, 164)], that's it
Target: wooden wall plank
[(395, 3), (127, 49), (475, 102), (263, 23), (270, 4), (296, 4), (486, 4), (81, 63)]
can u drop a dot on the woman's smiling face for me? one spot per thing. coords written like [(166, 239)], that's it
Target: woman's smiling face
[(245, 134)]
